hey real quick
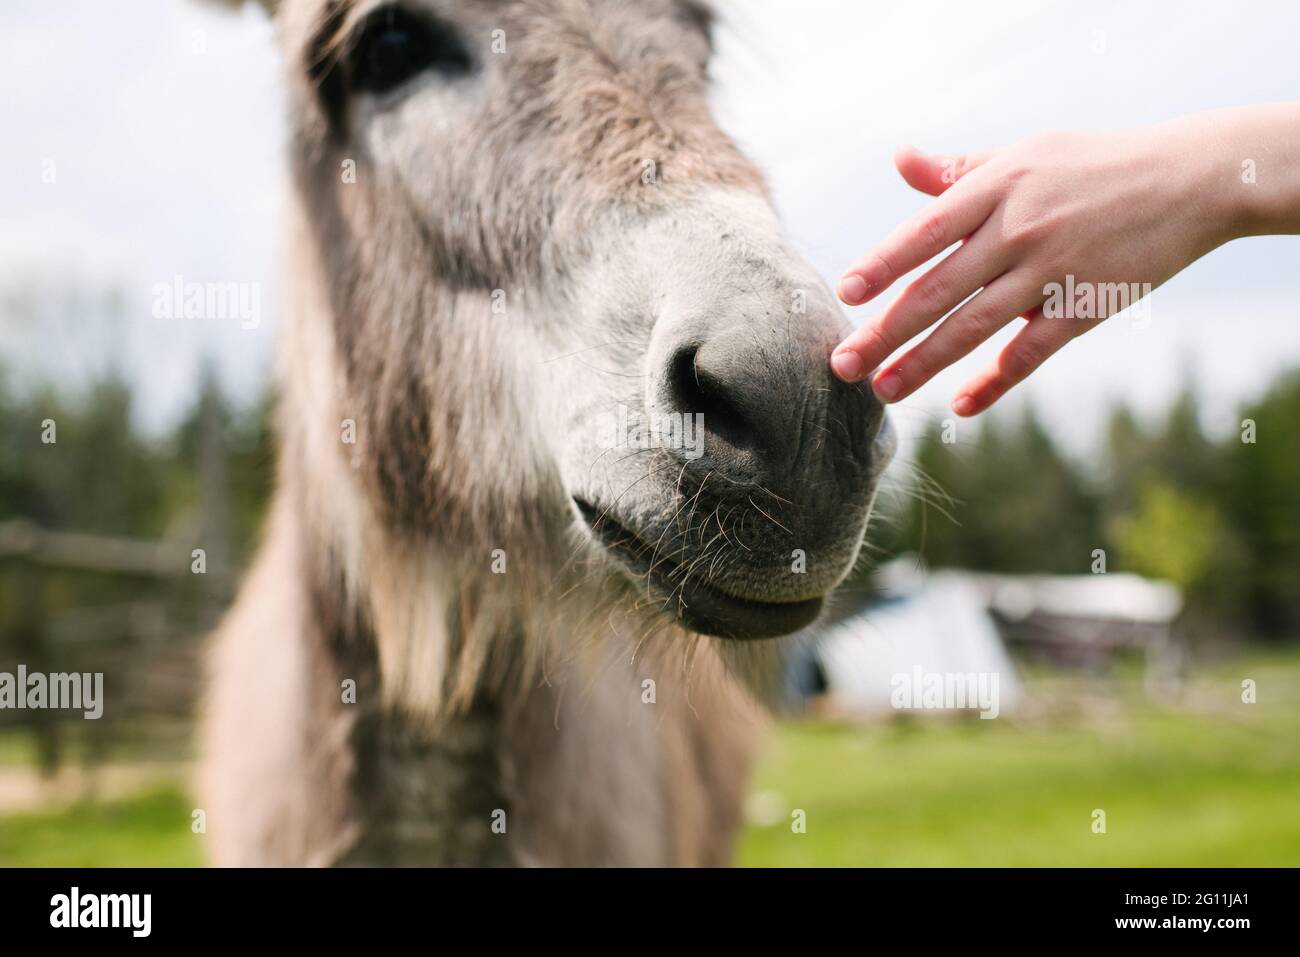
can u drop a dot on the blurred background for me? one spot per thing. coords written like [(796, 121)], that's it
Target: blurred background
[(1118, 541)]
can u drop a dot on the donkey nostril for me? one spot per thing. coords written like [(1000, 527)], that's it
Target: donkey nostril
[(773, 413), (694, 387)]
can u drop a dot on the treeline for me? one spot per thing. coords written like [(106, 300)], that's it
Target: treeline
[(77, 462), (1221, 519)]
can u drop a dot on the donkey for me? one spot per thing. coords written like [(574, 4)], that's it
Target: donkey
[(490, 622)]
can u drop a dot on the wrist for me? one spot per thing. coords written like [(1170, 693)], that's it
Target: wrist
[(1214, 190), (1248, 169)]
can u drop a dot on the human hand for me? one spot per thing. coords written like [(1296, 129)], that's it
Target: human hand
[(1104, 208)]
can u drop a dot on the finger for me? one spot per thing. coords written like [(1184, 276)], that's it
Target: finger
[(933, 174), (1002, 301), (921, 305), (953, 216), (1029, 349)]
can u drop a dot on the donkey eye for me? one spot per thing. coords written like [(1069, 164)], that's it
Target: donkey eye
[(394, 46)]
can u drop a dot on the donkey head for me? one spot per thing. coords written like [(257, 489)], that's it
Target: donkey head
[(565, 319)]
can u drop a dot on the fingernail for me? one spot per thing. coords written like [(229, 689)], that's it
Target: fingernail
[(848, 365), (853, 289), (887, 386), (963, 405)]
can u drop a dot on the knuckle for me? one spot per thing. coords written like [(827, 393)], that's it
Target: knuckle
[(884, 268), (1013, 171), (876, 343), (933, 230), (1037, 141), (1018, 361), (1049, 140), (972, 330), (1030, 231), (930, 293), (922, 364)]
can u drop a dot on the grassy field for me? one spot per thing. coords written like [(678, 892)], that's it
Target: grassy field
[(151, 829), (1210, 781), (1213, 783)]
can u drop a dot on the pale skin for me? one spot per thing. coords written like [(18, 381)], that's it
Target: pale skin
[(1127, 207)]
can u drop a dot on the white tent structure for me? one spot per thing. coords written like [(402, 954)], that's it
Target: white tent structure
[(932, 645), (929, 647), (1116, 596)]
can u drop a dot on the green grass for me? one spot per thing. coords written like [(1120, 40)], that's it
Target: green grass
[(17, 750), (147, 830), (1219, 786)]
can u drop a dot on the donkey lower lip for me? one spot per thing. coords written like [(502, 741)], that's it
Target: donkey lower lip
[(699, 605)]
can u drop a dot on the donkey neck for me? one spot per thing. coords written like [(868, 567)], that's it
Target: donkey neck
[(424, 788), (429, 798)]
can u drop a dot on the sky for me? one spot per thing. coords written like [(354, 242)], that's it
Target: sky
[(163, 133)]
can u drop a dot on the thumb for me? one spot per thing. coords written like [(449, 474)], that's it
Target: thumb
[(934, 174)]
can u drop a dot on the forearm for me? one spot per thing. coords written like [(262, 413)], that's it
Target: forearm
[(1249, 159)]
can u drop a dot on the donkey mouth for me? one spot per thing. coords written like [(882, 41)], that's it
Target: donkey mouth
[(697, 604)]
